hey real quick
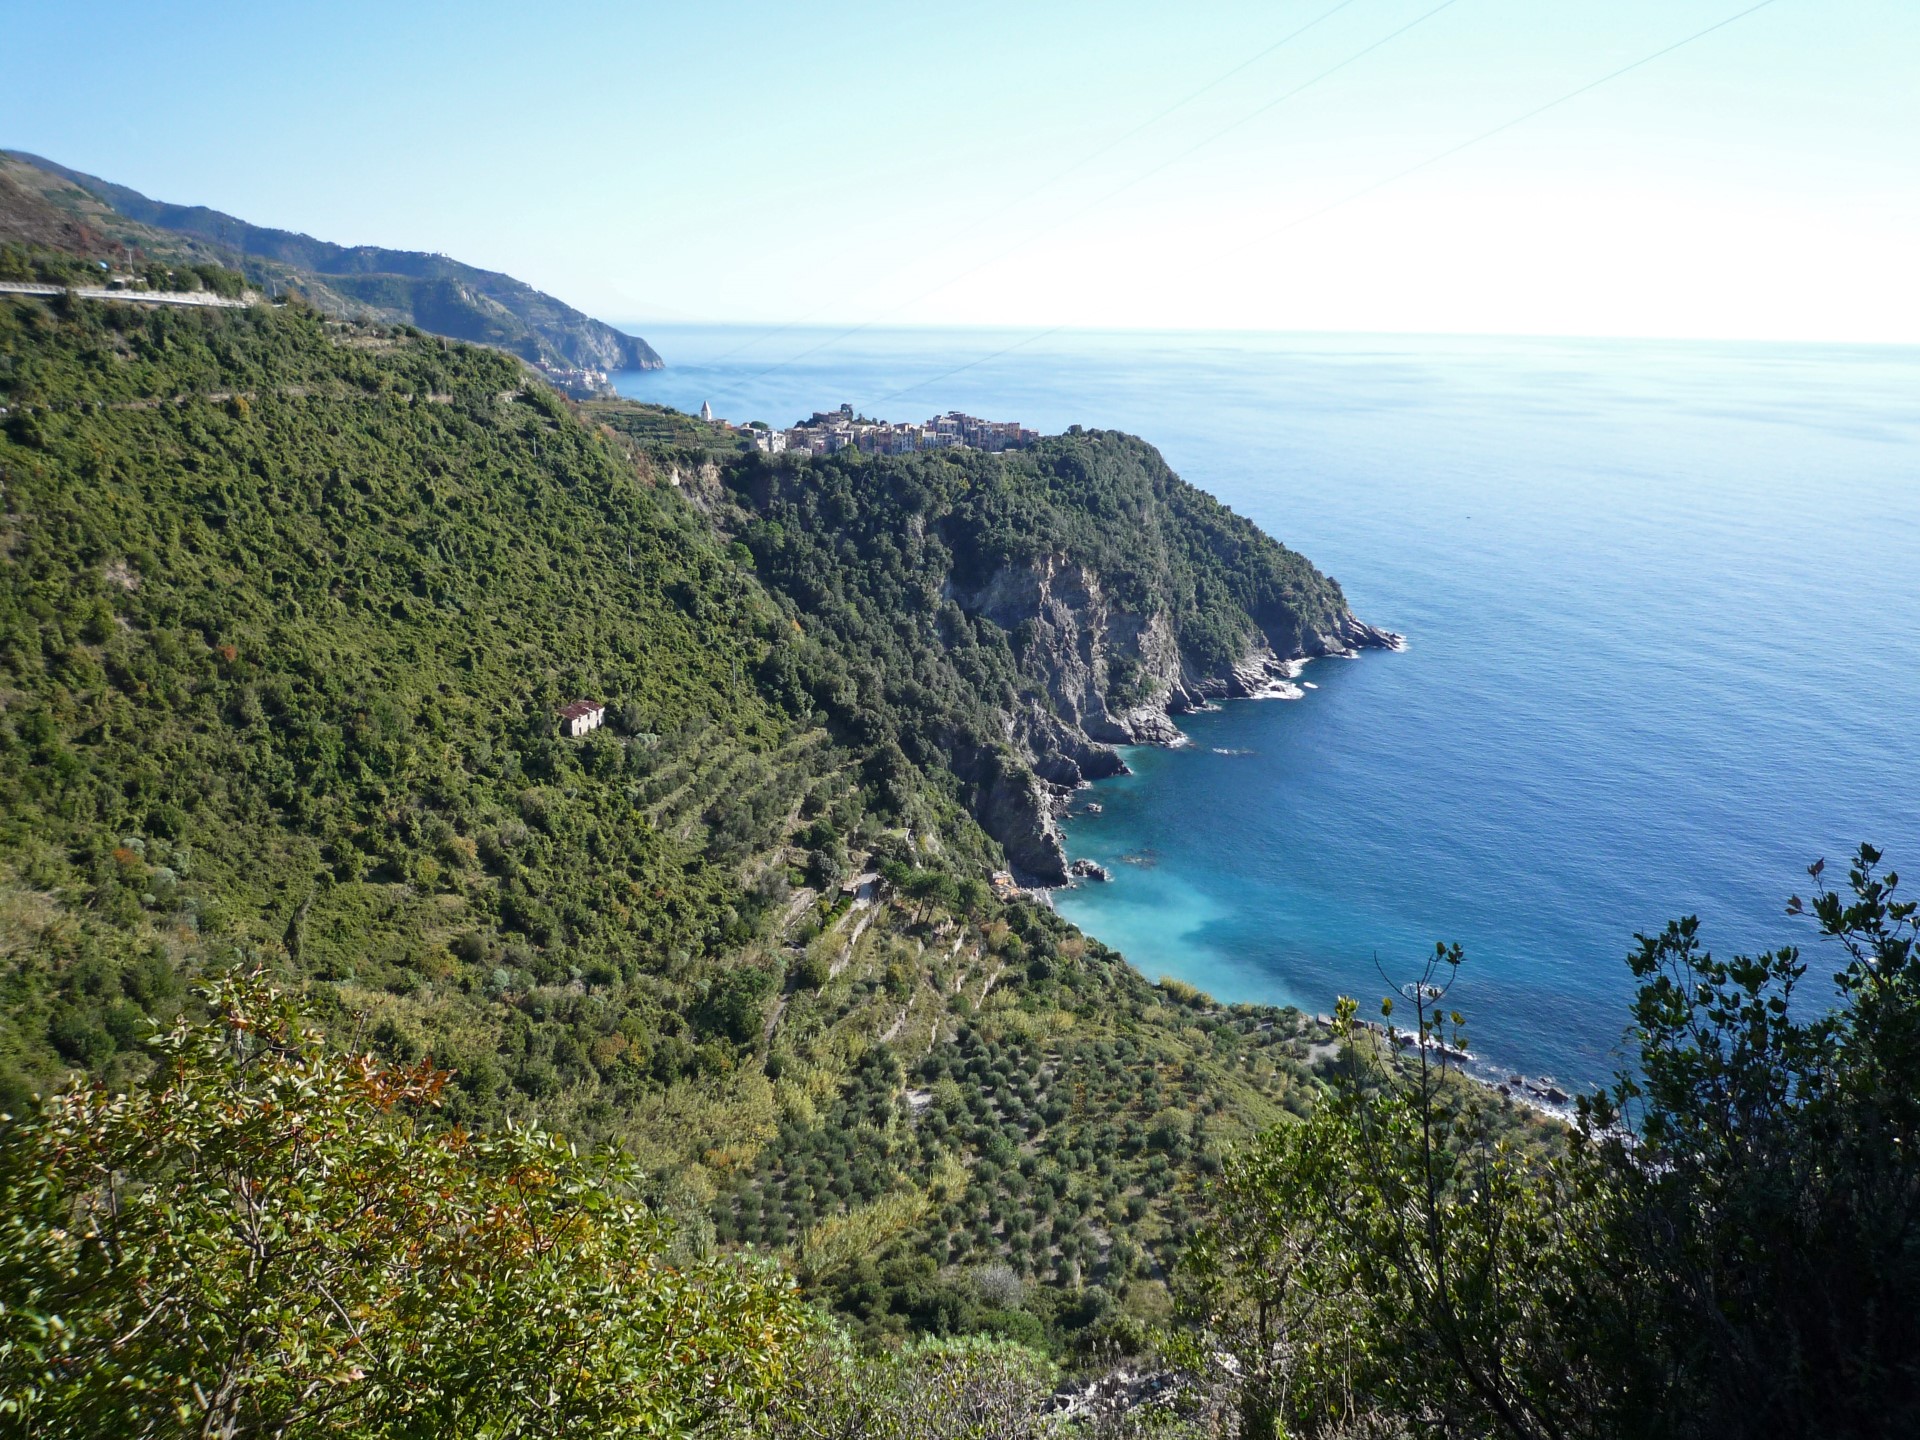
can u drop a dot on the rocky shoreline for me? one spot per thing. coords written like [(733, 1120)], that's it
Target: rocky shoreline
[(1541, 1093), (1077, 643)]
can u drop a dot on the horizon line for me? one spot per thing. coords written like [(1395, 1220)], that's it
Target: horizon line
[(632, 328)]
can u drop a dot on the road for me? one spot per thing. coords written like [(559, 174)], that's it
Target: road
[(199, 298)]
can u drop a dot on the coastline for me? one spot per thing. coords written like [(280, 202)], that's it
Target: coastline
[(1541, 1094), (1279, 680), (1079, 741)]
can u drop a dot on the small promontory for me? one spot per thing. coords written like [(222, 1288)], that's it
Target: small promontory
[(1061, 600)]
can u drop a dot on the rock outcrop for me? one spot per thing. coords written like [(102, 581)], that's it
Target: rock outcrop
[(1016, 809), (1105, 675), (1051, 604)]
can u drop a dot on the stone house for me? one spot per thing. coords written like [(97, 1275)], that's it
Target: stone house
[(582, 717)]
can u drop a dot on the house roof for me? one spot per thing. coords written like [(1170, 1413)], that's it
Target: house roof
[(579, 708)]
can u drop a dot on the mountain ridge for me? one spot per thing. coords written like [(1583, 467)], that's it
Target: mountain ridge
[(435, 292)]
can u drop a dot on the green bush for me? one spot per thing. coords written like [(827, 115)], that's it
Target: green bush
[(274, 1240), (1738, 1262)]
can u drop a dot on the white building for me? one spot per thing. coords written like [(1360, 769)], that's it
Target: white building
[(581, 718)]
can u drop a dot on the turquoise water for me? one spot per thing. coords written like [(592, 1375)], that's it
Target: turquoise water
[(1663, 610)]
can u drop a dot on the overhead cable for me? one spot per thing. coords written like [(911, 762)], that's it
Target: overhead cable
[(1077, 165), (1098, 201), (1435, 158)]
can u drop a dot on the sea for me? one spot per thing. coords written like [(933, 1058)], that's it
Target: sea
[(1662, 610)]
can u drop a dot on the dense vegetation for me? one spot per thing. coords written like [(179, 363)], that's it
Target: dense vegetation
[(1727, 1248), (286, 653), (877, 548), (289, 605), (268, 1240)]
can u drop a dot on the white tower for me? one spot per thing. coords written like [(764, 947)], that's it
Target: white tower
[(706, 410)]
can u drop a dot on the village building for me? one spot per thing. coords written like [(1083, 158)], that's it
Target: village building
[(581, 717), (579, 382), (830, 431)]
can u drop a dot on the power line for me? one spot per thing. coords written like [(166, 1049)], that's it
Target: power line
[(949, 374), (1180, 104), (1256, 114), (1429, 161), (1502, 128), (1099, 200), (1077, 165)]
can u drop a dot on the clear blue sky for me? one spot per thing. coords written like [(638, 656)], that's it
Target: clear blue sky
[(904, 162)]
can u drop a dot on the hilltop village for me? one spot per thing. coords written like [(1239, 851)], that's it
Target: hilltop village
[(830, 431)]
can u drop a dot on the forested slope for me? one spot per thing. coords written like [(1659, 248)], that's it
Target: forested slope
[(1016, 616), (286, 608), (289, 606)]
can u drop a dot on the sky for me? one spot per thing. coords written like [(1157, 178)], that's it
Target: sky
[(1084, 163)]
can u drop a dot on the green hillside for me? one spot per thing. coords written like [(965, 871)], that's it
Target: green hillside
[(290, 606), (885, 553), (287, 608)]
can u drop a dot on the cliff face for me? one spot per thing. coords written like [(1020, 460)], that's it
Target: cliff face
[(1013, 618), (1072, 640), (1106, 675)]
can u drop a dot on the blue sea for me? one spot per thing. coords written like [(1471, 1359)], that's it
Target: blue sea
[(1662, 606)]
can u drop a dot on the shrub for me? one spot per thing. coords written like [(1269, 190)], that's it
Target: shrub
[(734, 1007), (272, 1239)]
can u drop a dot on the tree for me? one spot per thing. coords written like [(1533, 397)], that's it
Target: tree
[(1723, 1246), (958, 1389), (1263, 1285), (1770, 1200), (735, 1005), (1394, 1260), (827, 866), (271, 1239)]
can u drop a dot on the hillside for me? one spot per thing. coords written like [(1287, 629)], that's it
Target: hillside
[(31, 221), (431, 292), (1020, 615), (289, 606)]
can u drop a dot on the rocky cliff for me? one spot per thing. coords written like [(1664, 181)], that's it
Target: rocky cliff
[(1108, 675), (1013, 618)]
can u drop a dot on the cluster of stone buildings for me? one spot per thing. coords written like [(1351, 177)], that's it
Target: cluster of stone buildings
[(580, 382), (830, 431)]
